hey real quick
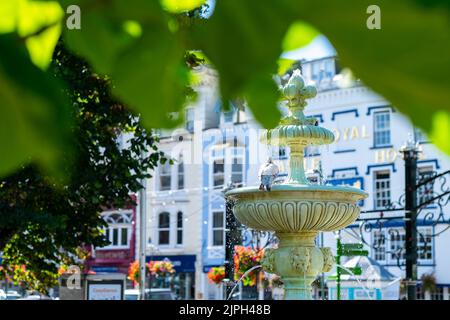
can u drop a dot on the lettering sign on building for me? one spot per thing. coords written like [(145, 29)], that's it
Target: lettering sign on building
[(351, 133), (111, 254)]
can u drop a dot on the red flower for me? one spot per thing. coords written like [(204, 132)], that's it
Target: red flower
[(155, 268), (244, 259), (133, 272), (216, 275)]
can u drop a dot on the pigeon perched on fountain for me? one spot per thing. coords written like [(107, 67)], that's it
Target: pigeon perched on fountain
[(267, 173)]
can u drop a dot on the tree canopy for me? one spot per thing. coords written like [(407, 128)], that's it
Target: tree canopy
[(45, 222)]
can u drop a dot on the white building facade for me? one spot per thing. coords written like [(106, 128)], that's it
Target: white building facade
[(217, 148), (174, 194), (369, 135)]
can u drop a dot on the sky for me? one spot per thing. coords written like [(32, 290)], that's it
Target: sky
[(320, 47)]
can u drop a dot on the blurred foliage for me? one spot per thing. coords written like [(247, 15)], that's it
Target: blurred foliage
[(428, 282), (45, 222), (179, 6), (34, 114), (407, 61), (298, 35), (141, 45)]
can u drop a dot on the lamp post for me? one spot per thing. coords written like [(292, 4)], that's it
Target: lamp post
[(142, 232), (410, 153)]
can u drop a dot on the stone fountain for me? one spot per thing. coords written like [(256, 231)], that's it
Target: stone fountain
[(296, 210)]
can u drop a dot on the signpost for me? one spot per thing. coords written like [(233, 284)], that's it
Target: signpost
[(347, 250), (105, 291), (100, 286)]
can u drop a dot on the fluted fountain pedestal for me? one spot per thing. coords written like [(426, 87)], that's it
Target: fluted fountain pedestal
[(299, 261), (296, 210)]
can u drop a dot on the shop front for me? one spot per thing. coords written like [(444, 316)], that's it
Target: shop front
[(182, 281)]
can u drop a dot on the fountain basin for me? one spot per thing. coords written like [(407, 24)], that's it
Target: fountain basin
[(296, 213), (293, 208)]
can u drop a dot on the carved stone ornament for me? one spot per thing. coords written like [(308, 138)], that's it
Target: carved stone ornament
[(268, 261), (328, 259), (300, 258)]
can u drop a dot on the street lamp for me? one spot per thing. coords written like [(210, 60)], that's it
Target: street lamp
[(410, 151), (142, 232)]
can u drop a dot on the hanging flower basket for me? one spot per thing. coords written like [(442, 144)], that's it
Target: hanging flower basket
[(216, 275), (161, 268), (246, 258), (133, 272), (155, 268)]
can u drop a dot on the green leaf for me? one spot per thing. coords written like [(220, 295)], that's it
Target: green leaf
[(284, 65), (132, 44), (100, 40), (109, 28), (150, 77), (179, 6), (39, 23), (133, 28), (440, 130), (299, 35), (407, 61), (261, 94), (42, 20), (34, 116), (243, 41), (8, 21)]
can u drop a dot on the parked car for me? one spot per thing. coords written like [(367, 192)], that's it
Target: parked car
[(161, 294), (132, 294), (35, 297), (12, 295), (9, 295), (150, 294)]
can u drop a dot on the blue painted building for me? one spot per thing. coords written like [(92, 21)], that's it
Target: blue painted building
[(227, 152)]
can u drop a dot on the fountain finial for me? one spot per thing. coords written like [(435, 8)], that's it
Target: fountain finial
[(296, 130), (295, 92)]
